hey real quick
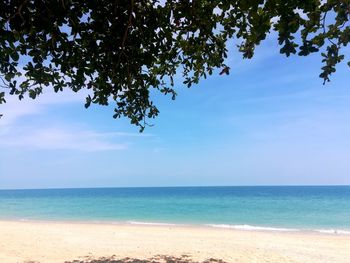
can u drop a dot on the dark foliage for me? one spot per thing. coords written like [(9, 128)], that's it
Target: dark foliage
[(121, 50)]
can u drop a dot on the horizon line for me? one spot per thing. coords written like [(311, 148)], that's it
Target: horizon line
[(179, 186)]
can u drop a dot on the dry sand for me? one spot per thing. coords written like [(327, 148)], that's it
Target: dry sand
[(60, 242)]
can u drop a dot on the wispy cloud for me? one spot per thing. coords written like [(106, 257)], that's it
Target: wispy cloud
[(14, 134), (58, 138), (14, 109)]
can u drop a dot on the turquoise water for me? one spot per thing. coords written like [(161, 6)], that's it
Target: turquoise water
[(322, 208)]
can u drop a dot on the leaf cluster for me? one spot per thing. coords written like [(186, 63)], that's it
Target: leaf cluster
[(122, 50)]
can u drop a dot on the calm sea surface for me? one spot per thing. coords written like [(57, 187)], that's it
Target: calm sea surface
[(319, 208)]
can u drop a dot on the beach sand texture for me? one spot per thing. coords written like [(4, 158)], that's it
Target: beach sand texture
[(65, 242)]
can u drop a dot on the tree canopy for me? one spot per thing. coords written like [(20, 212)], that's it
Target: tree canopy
[(122, 50)]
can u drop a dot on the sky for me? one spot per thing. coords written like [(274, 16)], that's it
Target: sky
[(270, 122)]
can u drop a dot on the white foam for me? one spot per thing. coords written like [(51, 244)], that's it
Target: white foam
[(333, 231), (151, 223), (24, 220), (245, 227), (259, 228), (253, 228)]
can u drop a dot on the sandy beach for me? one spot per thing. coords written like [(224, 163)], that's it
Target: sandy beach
[(83, 242)]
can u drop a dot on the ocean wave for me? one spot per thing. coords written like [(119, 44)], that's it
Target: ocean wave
[(252, 228), (245, 227), (277, 229), (152, 223), (333, 231)]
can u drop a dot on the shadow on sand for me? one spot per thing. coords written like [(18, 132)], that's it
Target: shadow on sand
[(156, 259)]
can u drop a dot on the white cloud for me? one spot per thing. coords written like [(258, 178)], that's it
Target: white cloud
[(14, 134), (14, 109), (58, 138)]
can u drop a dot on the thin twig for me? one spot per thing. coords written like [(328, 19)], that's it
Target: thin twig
[(18, 12), (129, 24), (126, 32)]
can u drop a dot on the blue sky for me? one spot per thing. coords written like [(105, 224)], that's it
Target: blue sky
[(270, 122)]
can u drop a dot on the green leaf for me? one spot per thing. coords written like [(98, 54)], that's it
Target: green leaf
[(122, 50), (14, 56)]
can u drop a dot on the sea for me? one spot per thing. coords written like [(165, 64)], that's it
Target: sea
[(324, 209)]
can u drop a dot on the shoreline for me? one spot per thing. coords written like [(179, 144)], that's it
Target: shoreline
[(228, 227), (24, 241)]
